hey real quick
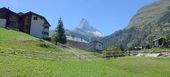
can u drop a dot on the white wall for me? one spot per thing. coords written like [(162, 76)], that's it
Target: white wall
[(46, 30), (2, 22), (37, 27), (99, 46), (156, 43)]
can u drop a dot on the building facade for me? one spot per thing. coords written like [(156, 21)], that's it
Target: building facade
[(30, 23), (9, 19), (160, 42), (96, 46)]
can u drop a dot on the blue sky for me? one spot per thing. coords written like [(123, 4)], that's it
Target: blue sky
[(107, 16)]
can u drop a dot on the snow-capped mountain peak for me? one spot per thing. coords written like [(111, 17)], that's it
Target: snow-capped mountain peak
[(84, 32), (84, 24), (85, 28)]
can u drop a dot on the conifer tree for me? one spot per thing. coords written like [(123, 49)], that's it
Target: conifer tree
[(60, 33)]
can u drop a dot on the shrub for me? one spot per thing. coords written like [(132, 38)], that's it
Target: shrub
[(113, 52), (44, 45), (48, 39)]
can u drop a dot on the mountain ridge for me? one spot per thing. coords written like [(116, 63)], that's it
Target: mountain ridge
[(84, 32), (85, 27), (150, 22)]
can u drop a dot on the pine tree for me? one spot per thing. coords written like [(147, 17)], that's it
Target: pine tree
[(60, 33)]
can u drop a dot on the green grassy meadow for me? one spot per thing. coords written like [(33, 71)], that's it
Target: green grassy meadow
[(22, 55), (11, 66)]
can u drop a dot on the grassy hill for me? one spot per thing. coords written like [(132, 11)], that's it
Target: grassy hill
[(23, 45)]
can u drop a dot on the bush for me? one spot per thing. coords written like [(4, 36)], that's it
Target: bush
[(113, 52), (44, 45), (48, 39)]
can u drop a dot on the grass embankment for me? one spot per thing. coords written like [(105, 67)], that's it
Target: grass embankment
[(121, 67), (24, 45)]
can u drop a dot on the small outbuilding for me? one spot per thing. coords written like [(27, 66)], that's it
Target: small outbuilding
[(159, 42), (96, 46)]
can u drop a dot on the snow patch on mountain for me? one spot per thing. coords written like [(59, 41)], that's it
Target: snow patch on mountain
[(96, 33), (76, 39)]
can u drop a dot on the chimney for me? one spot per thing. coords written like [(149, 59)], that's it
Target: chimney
[(8, 7)]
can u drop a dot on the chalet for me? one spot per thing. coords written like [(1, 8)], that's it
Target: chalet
[(96, 46), (35, 25), (30, 22), (159, 42), (9, 19)]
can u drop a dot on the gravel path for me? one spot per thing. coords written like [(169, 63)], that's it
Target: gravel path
[(78, 55)]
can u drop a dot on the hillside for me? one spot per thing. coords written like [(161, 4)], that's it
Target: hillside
[(150, 22), (19, 44)]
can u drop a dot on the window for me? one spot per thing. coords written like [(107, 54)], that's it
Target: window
[(46, 27), (35, 18), (45, 33), (13, 22), (1, 15), (168, 20), (169, 8)]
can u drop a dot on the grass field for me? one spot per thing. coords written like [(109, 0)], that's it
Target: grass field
[(12, 66)]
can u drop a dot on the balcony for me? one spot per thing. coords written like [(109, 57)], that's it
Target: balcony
[(46, 30), (46, 25)]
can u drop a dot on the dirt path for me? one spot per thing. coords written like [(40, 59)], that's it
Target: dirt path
[(78, 55)]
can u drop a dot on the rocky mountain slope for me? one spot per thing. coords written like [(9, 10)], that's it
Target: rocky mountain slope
[(150, 22)]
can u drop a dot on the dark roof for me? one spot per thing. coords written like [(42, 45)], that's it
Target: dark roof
[(6, 9), (22, 14), (38, 16), (158, 38)]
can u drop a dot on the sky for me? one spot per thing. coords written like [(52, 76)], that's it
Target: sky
[(107, 16)]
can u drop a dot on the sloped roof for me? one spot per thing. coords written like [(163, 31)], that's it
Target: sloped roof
[(6, 9), (158, 38), (20, 14), (38, 16)]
